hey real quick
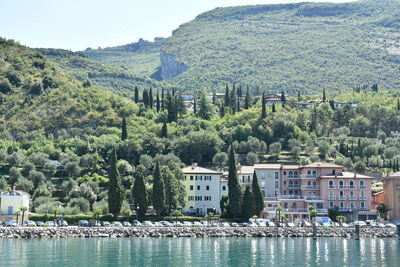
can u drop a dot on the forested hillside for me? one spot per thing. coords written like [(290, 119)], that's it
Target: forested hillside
[(35, 93), (305, 46)]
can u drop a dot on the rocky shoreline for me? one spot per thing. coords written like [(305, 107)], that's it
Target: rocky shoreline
[(198, 232)]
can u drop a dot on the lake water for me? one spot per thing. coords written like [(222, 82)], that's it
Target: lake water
[(200, 252)]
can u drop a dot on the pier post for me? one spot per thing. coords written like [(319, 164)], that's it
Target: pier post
[(357, 232), (314, 231)]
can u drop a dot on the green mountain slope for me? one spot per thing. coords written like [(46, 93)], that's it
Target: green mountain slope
[(288, 47), (113, 78), (35, 93), (142, 57)]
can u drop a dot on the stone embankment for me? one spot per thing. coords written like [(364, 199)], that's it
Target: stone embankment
[(200, 232)]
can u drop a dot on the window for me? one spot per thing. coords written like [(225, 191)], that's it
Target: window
[(341, 184), (290, 174), (351, 193), (331, 184), (314, 183), (331, 204), (352, 205), (191, 187), (198, 198), (314, 173), (284, 182), (309, 183), (296, 174), (276, 175), (191, 177), (333, 171), (342, 205), (362, 204), (263, 175), (294, 205), (351, 183), (308, 172), (207, 187), (276, 184), (207, 178), (330, 192), (198, 187), (341, 193), (285, 205), (263, 191), (190, 198), (362, 184), (207, 198), (224, 188), (284, 192), (290, 183)]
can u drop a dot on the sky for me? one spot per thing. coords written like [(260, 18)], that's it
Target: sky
[(78, 24)]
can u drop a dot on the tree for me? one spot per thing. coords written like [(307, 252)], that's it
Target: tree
[(115, 193), (220, 159), (275, 148), (247, 99), (333, 213), (247, 204), (227, 101), (283, 97), (235, 192), (158, 106), (359, 167), (136, 95), (263, 107), (273, 108), (158, 191), (205, 107), (278, 210), (162, 99), (257, 195), (222, 111), (313, 212), (124, 132), (398, 104), (323, 96), (382, 209), (224, 206), (139, 194), (194, 106), (164, 129), (23, 210), (298, 96), (151, 99), (252, 158)]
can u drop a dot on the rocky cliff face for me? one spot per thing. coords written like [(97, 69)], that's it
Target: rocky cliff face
[(170, 67)]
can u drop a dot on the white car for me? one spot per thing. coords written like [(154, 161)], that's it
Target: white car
[(271, 224), (360, 223), (198, 224), (50, 224), (391, 225), (187, 224), (158, 224), (116, 224), (148, 224), (224, 224), (289, 224), (261, 224), (345, 225), (177, 224), (252, 224)]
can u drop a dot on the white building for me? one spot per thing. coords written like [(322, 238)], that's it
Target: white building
[(268, 176), (202, 187)]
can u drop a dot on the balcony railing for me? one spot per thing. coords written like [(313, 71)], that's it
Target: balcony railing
[(293, 186), (290, 197), (331, 187), (352, 197), (362, 186), (342, 198), (293, 177), (331, 197), (306, 176), (353, 209), (313, 198), (310, 187), (363, 197)]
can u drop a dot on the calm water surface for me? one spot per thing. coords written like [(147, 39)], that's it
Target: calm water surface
[(200, 252)]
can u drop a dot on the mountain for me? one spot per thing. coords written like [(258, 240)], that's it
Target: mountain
[(293, 47), (111, 77), (36, 93), (304, 46)]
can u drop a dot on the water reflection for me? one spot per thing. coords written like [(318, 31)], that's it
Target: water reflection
[(200, 252)]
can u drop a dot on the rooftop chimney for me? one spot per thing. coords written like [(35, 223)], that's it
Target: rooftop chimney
[(194, 165)]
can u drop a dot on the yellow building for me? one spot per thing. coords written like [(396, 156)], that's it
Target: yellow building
[(10, 204)]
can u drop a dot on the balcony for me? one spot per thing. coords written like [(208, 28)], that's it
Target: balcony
[(331, 187), (293, 177), (342, 197), (353, 209), (352, 197), (363, 197), (291, 197), (313, 198), (310, 187), (362, 186), (306, 176), (294, 186), (331, 197), (362, 209)]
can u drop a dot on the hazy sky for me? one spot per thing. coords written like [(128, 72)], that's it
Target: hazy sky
[(78, 24)]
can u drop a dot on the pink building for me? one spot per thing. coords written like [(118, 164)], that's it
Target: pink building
[(319, 184)]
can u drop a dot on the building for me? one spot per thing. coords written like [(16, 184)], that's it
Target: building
[(378, 198), (391, 189), (245, 175), (203, 190), (11, 202), (338, 105)]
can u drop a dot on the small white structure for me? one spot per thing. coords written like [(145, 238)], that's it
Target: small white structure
[(11, 202)]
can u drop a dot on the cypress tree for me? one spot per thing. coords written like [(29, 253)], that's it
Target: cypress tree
[(273, 108), (115, 193), (124, 132), (240, 91), (158, 102), (151, 100), (214, 98), (139, 194), (136, 95), (298, 96), (164, 129), (205, 107), (194, 106), (238, 104), (263, 108), (283, 98), (162, 98), (323, 96), (145, 98), (234, 190), (170, 108), (222, 111), (233, 100), (226, 99), (247, 99), (257, 195), (158, 191), (398, 104), (247, 204)]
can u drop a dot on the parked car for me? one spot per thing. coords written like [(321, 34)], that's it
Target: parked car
[(126, 224), (116, 224), (106, 223), (204, 223), (158, 224), (252, 224), (245, 224), (83, 223), (186, 223), (261, 223), (197, 224), (224, 224), (290, 224), (29, 223), (148, 224), (63, 223), (345, 225), (40, 223), (136, 223), (234, 224), (49, 224), (271, 224), (166, 224), (177, 224), (391, 225), (306, 224), (11, 223), (360, 223)]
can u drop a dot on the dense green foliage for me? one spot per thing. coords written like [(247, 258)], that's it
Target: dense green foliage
[(139, 194), (158, 191), (257, 195), (247, 204), (115, 196), (234, 189)]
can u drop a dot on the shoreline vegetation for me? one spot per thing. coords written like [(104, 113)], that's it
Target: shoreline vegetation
[(194, 232)]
